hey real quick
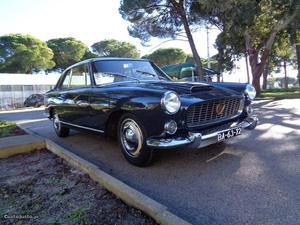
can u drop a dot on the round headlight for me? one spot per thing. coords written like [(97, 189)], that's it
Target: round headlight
[(250, 91), (170, 102)]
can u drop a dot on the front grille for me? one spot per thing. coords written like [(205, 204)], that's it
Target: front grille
[(212, 111)]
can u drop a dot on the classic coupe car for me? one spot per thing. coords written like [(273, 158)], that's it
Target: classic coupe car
[(135, 101)]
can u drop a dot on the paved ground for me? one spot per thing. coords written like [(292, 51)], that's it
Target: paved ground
[(253, 179)]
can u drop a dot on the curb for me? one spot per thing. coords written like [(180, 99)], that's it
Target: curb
[(129, 195), (22, 148)]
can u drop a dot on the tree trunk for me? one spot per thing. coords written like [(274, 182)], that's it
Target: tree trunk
[(247, 68), (199, 67), (286, 85), (180, 9), (265, 76), (257, 68), (298, 61)]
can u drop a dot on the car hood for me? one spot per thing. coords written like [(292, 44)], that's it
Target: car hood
[(188, 88)]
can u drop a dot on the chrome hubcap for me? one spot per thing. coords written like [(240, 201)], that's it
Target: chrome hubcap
[(131, 137), (56, 122)]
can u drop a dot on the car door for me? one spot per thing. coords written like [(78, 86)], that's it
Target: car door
[(74, 96), (100, 99), (78, 96)]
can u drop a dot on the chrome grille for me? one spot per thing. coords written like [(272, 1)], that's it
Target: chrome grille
[(207, 112)]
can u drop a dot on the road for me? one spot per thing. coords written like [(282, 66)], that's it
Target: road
[(252, 179)]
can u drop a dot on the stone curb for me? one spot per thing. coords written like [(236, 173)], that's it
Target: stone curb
[(6, 152), (126, 193)]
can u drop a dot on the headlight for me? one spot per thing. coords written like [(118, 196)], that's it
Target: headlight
[(250, 91), (170, 102)]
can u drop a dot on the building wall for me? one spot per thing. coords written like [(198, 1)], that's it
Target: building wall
[(15, 88)]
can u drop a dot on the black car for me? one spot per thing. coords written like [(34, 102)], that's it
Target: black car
[(35, 100), (137, 102)]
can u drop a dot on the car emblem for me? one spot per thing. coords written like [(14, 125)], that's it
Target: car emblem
[(220, 108)]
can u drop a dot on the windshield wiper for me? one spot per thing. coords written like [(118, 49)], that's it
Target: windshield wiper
[(145, 72), (121, 75)]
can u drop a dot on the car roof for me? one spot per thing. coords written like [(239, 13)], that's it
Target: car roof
[(103, 59)]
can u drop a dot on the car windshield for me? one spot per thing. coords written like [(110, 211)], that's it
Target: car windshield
[(111, 71)]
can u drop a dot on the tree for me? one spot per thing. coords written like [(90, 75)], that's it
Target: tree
[(283, 52), (88, 54), (250, 26), (294, 30), (298, 54), (166, 56), (23, 53), (66, 51), (115, 48), (163, 19)]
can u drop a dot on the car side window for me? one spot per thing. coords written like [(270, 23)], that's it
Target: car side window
[(80, 76), (102, 77), (66, 81)]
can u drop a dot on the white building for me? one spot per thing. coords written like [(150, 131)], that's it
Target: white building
[(15, 88)]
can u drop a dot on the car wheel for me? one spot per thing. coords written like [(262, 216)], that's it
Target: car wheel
[(60, 130), (131, 137)]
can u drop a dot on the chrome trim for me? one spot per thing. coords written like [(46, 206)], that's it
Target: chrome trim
[(166, 127), (192, 110), (131, 137), (197, 140), (87, 128)]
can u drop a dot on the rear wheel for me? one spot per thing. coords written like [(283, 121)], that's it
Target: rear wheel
[(131, 137), (60, 130)]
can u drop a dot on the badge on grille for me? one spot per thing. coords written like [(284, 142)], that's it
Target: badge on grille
[(220, 108)]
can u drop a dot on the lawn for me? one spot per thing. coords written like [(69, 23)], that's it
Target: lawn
[(281, 93), (9, 129)]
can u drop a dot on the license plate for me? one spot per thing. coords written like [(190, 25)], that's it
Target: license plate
[(229, 134)]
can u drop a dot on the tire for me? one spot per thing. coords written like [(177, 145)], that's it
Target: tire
[(60, 130), (131, 138)]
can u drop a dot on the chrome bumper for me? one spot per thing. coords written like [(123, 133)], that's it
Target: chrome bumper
[(197, 140)]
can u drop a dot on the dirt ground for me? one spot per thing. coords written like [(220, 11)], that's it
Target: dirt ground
[(41, 188)]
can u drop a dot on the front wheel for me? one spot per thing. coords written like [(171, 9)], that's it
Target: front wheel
[(131, 137), (60, 130)]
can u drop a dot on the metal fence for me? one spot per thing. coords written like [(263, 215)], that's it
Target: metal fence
[(13, 96)]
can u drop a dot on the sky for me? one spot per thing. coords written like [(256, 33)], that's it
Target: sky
[(87, 20)]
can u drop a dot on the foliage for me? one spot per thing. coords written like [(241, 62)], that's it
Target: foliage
[(161, 19), (88, 55), (115, 48), (166, 56), (247, 27), (283, 51), (23, 53), (66, 51)]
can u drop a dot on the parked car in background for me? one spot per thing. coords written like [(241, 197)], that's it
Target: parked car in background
[(35, 100), (187, 72), (135, 101)]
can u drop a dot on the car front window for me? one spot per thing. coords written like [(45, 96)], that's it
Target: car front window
[(107, 71)]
